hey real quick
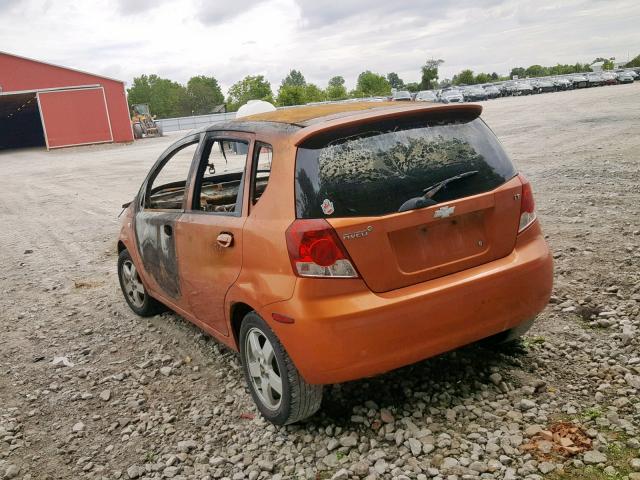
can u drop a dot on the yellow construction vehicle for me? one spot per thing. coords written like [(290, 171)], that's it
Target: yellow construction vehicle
[(143, 123)]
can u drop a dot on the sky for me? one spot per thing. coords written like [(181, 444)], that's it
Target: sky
[(177, 39)]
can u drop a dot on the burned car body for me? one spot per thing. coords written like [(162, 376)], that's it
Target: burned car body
[(332, 242)]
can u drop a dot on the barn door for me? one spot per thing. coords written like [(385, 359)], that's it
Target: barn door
[(75, 117)]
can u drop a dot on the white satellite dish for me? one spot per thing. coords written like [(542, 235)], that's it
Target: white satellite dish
[(253, 107)]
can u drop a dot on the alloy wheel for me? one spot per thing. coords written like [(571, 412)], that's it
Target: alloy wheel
[(132, 284), (263, 369)]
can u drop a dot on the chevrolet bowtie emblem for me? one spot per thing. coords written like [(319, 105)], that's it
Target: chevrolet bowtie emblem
[(444, 212)]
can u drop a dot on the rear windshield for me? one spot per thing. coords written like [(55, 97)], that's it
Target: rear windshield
[(372, 170)]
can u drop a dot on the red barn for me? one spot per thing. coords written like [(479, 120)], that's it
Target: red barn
[(53, 106)]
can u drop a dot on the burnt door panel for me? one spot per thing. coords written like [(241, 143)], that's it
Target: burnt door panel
[(159, 210), (155, 235)]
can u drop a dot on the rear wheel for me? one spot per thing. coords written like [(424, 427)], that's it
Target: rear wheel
[(509, 338), (133, 290), (137, 131), (277, 388)]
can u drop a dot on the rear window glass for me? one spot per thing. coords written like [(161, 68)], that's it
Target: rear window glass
[(372, 170)]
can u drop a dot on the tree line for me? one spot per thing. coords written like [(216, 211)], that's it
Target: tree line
[(202, 94)]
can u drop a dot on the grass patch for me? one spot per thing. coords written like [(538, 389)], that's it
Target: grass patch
[(587, 473), (150, 457), (528, 342), (618, 456), (591, 413)]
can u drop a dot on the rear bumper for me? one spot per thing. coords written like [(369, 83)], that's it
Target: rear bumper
[(343, 331)]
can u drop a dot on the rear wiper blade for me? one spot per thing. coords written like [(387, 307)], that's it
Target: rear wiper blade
[(431, 191)]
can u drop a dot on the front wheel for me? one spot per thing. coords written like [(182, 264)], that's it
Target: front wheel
[(277, 388)]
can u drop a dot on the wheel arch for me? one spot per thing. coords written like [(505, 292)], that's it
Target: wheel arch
[(236, 315)]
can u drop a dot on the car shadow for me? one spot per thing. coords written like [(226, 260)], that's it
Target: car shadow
[(443, 381)]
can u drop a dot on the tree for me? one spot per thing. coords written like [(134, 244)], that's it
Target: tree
[(517, 72), (336, 89), (313, 93), (482, 78), (635, 62), (249, 88), (204, 94), (413, 87), (291, 95), (430, 74), (608, 64), (372, 84), (140, 91), (337, 81), (395, 81), (465, 77), (536, 71), (294, 79), (494, 76), (165, 97)]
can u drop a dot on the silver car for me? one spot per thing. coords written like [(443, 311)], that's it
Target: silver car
[(426, 96), (452, 96)]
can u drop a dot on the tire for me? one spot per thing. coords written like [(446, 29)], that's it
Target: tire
[(509, 338), (297, 399), (159, 129), (137, 131), (134, 291)]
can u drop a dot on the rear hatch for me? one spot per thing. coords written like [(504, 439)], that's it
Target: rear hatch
[(357, 177)]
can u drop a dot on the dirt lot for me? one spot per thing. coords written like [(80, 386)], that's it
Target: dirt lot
[(472, 414)]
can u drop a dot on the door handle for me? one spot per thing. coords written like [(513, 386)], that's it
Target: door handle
[(225, 240), (168, 230)]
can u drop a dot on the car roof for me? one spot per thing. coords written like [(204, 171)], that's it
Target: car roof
[(306, 114), (293, 119)]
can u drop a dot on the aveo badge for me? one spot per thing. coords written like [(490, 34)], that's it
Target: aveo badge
[(358, 234), (444, 212)]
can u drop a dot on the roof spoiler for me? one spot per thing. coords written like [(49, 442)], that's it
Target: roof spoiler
[(362, 118)]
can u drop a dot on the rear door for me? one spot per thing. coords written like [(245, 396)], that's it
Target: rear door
[(209, 234), (357, 180)]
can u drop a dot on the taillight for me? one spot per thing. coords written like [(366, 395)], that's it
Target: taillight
[(316, 251), (527, 204)]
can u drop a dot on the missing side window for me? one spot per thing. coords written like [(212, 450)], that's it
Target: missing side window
[(261, 171), (219, 184)]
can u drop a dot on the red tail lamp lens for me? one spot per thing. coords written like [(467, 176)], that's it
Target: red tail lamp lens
[(324, 252), (527, 204), (316, 251)]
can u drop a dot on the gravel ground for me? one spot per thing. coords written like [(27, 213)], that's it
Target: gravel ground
[(89, 390)]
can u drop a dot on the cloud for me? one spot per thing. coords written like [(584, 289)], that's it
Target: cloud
[(329, 12), (7, 4), (181, 38), (215, 12), (134, 7)]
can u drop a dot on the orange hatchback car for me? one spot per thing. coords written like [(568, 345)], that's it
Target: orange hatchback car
[(333, 242)]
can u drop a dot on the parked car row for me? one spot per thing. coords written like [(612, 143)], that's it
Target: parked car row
[(529, 86)]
